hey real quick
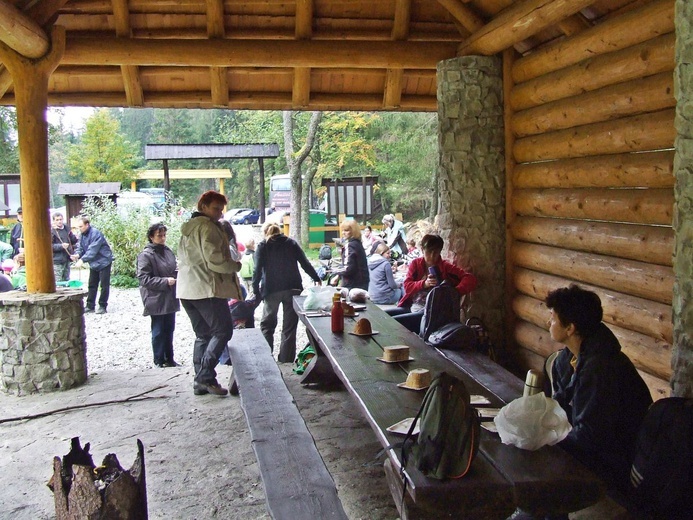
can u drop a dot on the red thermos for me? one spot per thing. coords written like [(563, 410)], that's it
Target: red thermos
[(337, 313)]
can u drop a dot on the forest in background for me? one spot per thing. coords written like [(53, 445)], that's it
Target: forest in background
[(399, 148)]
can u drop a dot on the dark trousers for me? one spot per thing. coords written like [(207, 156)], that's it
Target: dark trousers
[(411, 320), (163, 327), (213, 326), (268, 323), (96, 277)]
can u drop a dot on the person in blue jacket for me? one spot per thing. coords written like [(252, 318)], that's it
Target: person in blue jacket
[(94, 250)]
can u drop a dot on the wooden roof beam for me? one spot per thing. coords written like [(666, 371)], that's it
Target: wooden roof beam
[(5, 80), (219, 79), (45, 12), (130, 73), (22, 34), (518, 22), (464, 15), (257, 53), (300, 90), (392, 94), (574, 24)]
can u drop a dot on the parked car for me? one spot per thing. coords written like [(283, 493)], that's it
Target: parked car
[(250, 216), (233, 212)]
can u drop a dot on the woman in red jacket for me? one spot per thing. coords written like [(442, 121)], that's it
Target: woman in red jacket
[(420, 280)]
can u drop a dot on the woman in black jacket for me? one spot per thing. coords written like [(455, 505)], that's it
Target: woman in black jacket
[(156, 271), (354, 271), (276, 281)]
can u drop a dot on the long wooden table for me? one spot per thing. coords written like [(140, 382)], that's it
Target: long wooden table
[(502, 477)]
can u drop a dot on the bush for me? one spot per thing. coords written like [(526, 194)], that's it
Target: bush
[(126, 232)]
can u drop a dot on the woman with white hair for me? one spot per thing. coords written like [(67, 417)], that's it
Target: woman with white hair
[(395, 237)]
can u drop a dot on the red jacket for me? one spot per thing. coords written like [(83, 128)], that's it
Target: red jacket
[(463, 281)]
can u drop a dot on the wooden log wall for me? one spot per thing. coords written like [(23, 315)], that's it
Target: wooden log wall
[(591, 193)]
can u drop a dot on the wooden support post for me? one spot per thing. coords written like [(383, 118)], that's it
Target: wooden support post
[(167, 181), (263, 203), (30, 79)]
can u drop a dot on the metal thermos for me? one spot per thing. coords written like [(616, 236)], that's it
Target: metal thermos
[(532, 383)]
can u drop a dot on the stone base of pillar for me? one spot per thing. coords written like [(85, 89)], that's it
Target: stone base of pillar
[(43, 342)]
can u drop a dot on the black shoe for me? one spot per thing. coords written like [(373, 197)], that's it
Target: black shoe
[(101, 310), (88, 310), (209, 388), (171, 364), (199, 389), (160, 365)]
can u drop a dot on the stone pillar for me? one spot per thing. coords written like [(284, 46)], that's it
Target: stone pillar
[(43, 343), (682, 357), (472, 179)]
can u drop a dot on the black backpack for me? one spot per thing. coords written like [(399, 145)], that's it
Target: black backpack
[(442, 307), (453, 336), (325, 252), (448, 439), (662, 472)]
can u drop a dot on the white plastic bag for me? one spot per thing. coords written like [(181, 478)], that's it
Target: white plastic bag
[(318, 298), (532, 422)]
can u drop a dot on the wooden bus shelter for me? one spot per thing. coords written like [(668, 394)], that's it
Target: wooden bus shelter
[(566, 133), (167, 152)]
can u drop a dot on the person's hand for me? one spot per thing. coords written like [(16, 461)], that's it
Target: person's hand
[(171, 281), (431, 281), (65, 246), (74, 258), (319, 282), (79, 264)]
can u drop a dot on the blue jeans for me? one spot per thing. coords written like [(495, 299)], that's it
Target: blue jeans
[(163, 327), (213, 326)]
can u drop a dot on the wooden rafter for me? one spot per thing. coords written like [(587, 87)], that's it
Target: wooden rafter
[(518, 22), (300, 90), (45, 11), (22, 34), (574, 24), (5, 80), (257, 53), (130, 73), (464, 15), (216, 29), (392, 95)]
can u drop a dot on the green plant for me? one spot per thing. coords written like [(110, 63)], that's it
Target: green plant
[(126, 232), (125, 281)]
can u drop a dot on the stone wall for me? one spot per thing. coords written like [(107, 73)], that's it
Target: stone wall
[(472, 179), (682, 358), (43, 343)]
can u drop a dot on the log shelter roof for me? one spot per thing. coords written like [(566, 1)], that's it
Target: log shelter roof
[(276, 54)]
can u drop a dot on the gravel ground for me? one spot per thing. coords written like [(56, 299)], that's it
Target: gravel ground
[(121, 338)]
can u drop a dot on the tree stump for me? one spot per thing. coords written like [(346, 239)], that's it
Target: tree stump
[(107, 492)]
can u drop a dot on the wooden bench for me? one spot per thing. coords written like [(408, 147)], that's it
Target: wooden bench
[(502, 477), (297, 483)]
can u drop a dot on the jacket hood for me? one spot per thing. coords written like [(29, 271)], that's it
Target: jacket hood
[(601, 343), (197, 220), (375, 260), (277, 239), (150, 246)]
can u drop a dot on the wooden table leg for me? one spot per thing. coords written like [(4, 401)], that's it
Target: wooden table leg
[(319, 369)]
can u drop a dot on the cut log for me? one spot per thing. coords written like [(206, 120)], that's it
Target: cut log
[(649, 281), (644, 132), (649, 354), (645, 243), (634, 206), (636, 170), (639, 25), (626, 311), (646, 59), (623, 99)]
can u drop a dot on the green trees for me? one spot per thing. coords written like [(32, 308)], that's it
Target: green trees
[(9, 154), (103, 153)]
